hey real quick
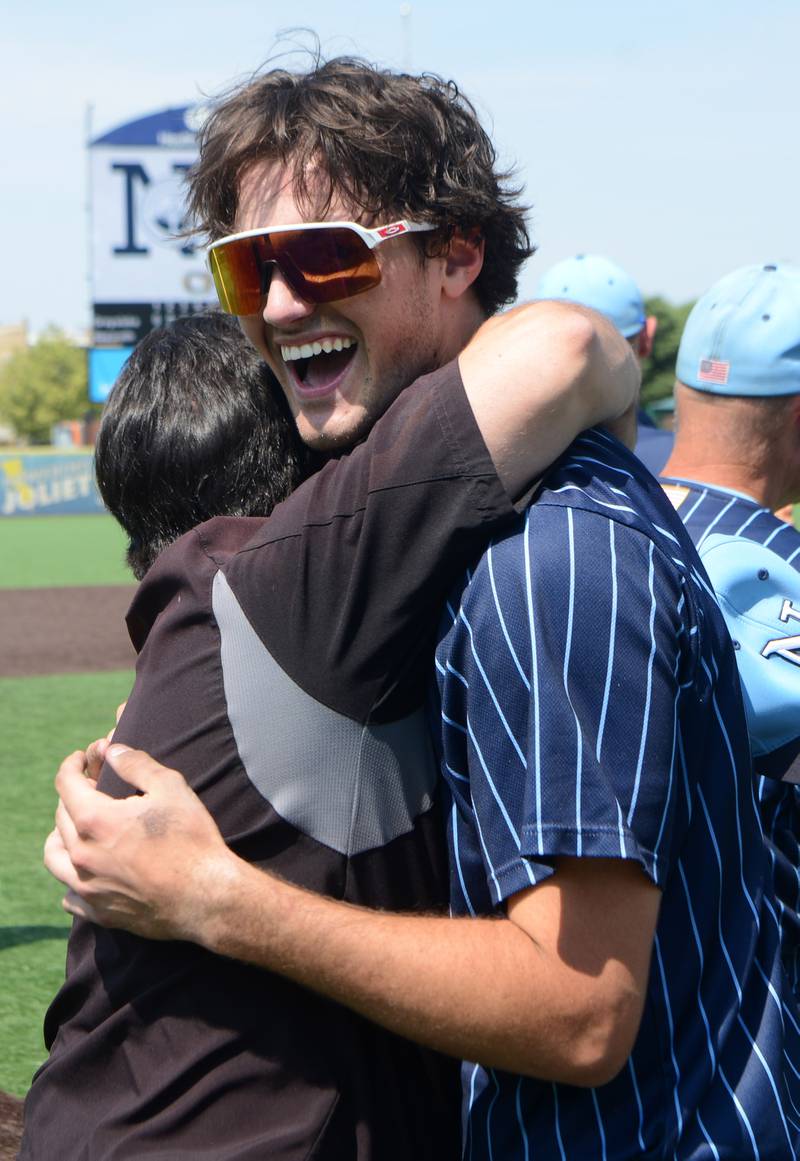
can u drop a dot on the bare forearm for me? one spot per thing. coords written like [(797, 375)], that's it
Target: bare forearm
[(538, 376), (478, 989), (554, 990)]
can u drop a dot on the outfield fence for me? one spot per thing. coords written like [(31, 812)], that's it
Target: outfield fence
[(48, 483)]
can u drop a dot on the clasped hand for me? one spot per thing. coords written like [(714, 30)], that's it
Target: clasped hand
[(153, 863)]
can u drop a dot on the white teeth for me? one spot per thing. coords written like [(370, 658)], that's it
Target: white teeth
[(308, 350)]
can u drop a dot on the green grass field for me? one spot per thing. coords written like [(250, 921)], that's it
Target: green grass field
[(41, 720), (45, 551)]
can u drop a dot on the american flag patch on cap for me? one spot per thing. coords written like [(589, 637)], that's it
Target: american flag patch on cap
[(713, 371)]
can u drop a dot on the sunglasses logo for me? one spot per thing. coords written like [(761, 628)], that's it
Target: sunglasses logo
[(390, 231)]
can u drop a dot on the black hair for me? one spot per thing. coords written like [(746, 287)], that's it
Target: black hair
[(195, 426)]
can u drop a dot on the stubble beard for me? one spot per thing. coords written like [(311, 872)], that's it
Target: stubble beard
[(402, 367)]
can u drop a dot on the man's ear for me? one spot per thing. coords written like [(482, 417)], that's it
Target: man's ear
[(462, 263), (646, 337)]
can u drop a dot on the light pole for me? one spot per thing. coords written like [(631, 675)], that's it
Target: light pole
[(405, 17)]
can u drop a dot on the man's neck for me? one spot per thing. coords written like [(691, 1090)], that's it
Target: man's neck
[(711, 470), (464, 324)]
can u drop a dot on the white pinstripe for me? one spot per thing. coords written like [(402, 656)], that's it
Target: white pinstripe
[(612, 632), (557, 1118), (637, 1095), (603, 1151), (565, 679), (671, 1025), (457, 856), (521, 1120), (782, 527), (537, 740), (490, 690), (716, 520), (502, 621), (749, 520), (594, 499), (646, 716), (699, 946)]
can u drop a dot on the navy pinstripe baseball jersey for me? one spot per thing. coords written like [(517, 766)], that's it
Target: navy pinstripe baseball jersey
[(753, 561), (590, 707)]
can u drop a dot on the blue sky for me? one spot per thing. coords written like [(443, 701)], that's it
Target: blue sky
[(662, 136)]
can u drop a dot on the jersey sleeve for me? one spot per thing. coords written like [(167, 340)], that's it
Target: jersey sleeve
[(759, 594), (345, 583), (560, 680)]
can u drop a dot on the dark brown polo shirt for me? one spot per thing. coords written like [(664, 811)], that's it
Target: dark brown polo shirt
[(282, 668)]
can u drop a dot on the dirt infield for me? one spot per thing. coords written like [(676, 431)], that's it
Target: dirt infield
[(64, 630)]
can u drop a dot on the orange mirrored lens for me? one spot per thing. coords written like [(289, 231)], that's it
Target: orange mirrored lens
[(237, 278), (320, 265)]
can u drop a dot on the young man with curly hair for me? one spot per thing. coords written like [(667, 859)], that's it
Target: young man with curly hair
[(283, 662), (599, 800)]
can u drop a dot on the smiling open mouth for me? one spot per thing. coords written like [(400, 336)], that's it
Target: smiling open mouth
[(319, 364)]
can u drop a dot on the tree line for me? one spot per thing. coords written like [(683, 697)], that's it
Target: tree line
[(48, 381)]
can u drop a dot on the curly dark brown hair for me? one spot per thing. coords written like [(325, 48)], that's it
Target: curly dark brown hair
[(388, 144)]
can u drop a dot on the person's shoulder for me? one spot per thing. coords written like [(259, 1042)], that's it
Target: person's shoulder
[(596, 482), (705, 508), (597, 503), (598, 477), (184, 569), (597, 472), (222, 537)]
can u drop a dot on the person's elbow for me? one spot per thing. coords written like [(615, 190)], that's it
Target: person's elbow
[(599, 373), (591, 928), (605, 1038), (575, 335), (592, 1036)]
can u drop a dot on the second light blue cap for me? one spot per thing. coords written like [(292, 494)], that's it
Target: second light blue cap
[(743, 336), (594, 281)]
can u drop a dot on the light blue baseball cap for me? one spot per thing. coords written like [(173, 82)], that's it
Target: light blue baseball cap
[(759, 595), (743, 336), (596, 282)]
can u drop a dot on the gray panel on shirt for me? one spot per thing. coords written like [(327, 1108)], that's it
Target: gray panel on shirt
[(352, 787)]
